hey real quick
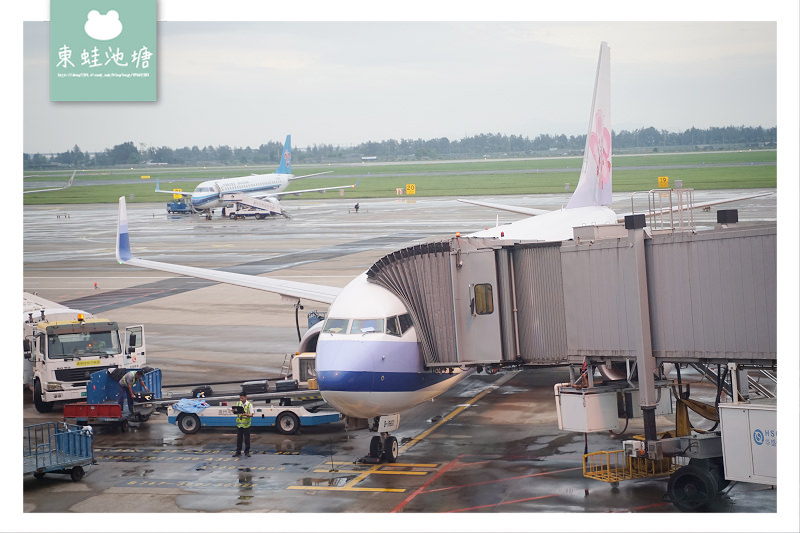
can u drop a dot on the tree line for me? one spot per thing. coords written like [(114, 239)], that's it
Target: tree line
[(476, 146)]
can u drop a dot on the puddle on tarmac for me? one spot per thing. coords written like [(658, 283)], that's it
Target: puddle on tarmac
[(335, 481)]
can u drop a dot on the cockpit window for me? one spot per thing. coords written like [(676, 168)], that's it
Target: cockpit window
[(367, 325), (335, 325)]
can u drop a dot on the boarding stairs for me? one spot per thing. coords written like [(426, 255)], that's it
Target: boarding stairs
[(245, 204)]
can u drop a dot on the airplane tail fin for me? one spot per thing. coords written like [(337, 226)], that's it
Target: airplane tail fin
[(594, 184), (286, 157), (123, 239)]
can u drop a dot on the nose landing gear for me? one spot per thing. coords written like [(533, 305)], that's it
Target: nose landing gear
[(383, 447)]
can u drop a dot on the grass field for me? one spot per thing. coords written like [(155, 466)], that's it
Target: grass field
[(490, 177)]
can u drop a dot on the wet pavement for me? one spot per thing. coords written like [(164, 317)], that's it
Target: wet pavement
[(490, 445)]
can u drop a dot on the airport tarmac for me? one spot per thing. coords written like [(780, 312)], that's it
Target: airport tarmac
[(489, 445)]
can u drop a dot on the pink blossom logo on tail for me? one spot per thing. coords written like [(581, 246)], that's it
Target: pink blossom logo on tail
[(600, 146), (287, 155)]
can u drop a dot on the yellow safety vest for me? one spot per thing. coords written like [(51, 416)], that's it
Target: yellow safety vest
[(241, 420)]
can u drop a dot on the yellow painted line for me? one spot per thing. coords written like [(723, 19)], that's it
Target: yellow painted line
[(455, 412), (396, 472), (376, 469)]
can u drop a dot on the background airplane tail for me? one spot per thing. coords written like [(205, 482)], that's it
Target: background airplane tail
[(594, 185), (286, 157)]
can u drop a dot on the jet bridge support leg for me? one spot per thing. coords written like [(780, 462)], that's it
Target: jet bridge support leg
[(645, 362)]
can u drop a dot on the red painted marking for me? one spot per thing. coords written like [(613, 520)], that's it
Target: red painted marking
[(651, 506), (499, 504), (456, 462), (504, 479), (420, 490)]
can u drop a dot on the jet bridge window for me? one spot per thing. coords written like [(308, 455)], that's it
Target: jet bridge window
[(482, 301), (367, 325), (398, 325), (335, 325), (405, 322)]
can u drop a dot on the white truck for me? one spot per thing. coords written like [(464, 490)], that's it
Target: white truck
[(63, 346)]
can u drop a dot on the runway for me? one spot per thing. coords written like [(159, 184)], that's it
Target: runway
[(489, 445)]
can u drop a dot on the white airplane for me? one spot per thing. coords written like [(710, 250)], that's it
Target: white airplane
[(208, 195), (68, 185), (369, 363)]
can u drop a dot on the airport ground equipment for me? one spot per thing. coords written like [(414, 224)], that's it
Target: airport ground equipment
[(58, 448), (286, 420), (625, 302), (62, 347), (102, 406), (242, 206), (179, 206)]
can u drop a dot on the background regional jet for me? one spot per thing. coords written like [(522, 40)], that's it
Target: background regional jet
[(69, 184), (369, 360), (212, 194)]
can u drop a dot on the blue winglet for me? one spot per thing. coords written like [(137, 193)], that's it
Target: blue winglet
[(123, 239)]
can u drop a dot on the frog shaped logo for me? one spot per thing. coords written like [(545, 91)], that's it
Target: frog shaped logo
[(103, 27)]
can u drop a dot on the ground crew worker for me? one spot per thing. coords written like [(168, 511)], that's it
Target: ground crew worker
[(126, 384), (243, 421)]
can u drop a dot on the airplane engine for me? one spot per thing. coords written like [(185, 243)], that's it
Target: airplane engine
[(308, 342)]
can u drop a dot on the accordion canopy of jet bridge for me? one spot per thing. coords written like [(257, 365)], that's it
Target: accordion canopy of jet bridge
[(608, 294)]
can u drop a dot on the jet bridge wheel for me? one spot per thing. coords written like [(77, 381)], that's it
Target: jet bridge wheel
[(692, 487)]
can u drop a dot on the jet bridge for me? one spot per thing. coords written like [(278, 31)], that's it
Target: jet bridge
[(610, 294)]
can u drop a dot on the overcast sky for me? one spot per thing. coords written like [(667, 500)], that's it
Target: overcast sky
[(247, 83)]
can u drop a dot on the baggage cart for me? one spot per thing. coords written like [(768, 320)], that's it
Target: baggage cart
[(58, 448), (102, 406)]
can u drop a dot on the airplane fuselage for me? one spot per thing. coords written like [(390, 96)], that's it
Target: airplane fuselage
[(368, 365), (208, 194)]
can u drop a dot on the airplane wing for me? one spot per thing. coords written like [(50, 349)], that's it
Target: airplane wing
[(289, 289), (621, 218), (182, 193), (288, 193), (309, 175), (521, 210), (68, 185)]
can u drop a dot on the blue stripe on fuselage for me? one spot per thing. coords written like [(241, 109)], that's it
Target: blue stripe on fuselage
[(335, 380)]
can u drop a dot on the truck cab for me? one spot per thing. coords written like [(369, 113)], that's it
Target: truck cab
[(61, 353)]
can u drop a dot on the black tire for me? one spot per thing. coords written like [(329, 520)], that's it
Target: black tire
[(390, 450), (76, 473), (375, 447), (41, 405), (259, 216), (691, 488), (188, 423), (232, 216), (38, 475), (123, 426), (287, 423)]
